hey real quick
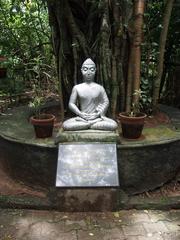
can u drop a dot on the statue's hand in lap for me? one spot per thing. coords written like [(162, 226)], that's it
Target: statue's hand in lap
[(93, 103), (84, 116), (90, 116)]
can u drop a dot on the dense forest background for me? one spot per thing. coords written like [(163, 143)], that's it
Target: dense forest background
[(135, 44)]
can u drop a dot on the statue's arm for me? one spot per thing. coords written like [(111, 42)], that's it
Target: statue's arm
[(103, 106), (73, 101), (73, 105)]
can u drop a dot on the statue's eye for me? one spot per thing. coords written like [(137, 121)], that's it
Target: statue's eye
[(85, 69), (92, 69)]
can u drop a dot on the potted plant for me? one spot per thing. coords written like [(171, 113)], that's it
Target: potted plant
[(132, 122), (43, 123), (3, 67)]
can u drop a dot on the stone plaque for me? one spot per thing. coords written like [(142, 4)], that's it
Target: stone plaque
[(87, 165)]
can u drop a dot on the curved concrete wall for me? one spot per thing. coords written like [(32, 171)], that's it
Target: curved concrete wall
[(143, 165), (147, 167), (141, 168)]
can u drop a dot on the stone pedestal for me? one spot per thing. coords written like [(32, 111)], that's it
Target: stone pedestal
[(87, 136), (90, 155), (85, 199)]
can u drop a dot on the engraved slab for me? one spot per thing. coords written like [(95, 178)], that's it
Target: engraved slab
[(87, 165)]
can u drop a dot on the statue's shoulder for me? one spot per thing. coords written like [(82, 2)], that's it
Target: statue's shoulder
[(79, 86), (98, 86)]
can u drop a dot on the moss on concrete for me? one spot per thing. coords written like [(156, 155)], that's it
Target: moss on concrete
[(15, 125), (87, 136), (156, 135), (134, 202), (25, 202)]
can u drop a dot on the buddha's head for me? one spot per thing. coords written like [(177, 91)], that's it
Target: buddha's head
[(88, 70)]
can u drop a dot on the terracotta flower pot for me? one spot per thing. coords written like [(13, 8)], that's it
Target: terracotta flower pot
[(132, 126), (43, 126)]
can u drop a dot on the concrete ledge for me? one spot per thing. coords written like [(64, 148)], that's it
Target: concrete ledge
[(124, 203), (87, 136)]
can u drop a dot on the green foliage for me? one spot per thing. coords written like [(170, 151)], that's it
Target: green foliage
[(36, 105), (25, 40), (150, 50), (150, 46), (3, 62), (37, 101), (38, 71), (136, 106), (24, 25)]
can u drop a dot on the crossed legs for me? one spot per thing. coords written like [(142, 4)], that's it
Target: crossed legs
[(106, 124)]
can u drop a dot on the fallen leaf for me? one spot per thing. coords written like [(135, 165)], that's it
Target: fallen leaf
[(116, 214)]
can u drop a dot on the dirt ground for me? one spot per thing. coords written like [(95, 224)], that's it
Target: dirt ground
[(8, 186)]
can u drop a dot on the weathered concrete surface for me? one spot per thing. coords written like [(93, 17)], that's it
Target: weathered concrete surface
[(15, 126), (86, 200), (31, 164), (123, 225), (145, 168), (87, 136), (174, 114), (143, 164)]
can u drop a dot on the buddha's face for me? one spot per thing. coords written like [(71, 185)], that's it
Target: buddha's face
[(88, 72)]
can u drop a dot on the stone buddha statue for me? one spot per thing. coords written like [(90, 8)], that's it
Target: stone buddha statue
[(89, 102)]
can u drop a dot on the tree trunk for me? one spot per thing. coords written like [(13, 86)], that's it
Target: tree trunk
[(134, 66), (129, 82), (162, 44), (81, 29), (139, 6)]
